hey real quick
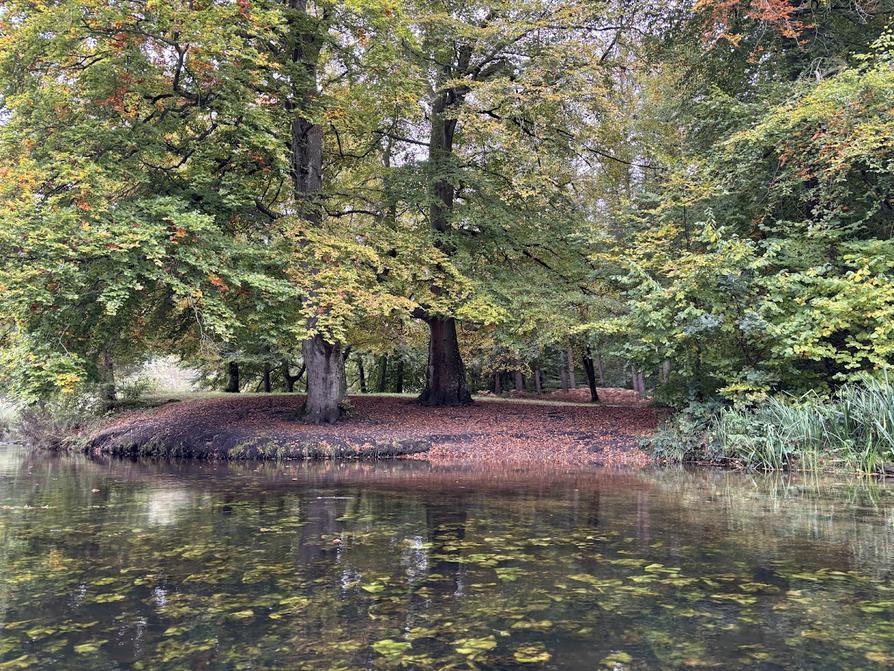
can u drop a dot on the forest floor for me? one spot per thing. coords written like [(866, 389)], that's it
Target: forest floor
[(558, 429)]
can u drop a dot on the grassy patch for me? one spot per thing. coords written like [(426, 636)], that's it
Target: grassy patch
[(852, 430)]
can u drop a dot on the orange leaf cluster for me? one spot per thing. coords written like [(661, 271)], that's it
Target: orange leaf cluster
[(782, 15)]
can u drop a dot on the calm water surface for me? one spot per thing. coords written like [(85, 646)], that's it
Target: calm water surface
[(398, 565)]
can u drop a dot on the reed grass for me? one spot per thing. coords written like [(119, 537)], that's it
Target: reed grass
[(851, 430)]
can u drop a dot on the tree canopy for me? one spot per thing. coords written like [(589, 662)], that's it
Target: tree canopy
[(425, 196)]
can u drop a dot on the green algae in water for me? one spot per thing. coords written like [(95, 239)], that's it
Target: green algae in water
[(128, 565)]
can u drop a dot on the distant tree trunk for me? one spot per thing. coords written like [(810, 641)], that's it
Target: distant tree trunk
[(600, 369), (445, 382), (538, 384), (232, 378), (639, 382), (325, 380), (361, 374), (498, 386), (268, 387), (290, 380), (569, 357), (399, 376), (382, 385), (474, 377), (664, 375), (520, 382), (107, 373), (590, 370)]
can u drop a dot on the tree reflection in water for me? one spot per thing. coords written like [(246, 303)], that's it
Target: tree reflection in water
[(344, 566)]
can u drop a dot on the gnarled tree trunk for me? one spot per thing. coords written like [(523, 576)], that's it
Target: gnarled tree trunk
[(445, 382), (325, 380), (288, 379)]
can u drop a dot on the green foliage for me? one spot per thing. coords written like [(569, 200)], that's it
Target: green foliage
[(701, 192), (764, 262), (854, 430)]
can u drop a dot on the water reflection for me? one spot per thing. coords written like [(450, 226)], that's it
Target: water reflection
[(401, 565)]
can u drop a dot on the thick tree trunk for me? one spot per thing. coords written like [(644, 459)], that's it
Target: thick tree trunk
[(538, 384), (382, 385), (498, 384), (268, 386), (361, 374), (325, 381), (519, 382), (590, 370), (324, 361), (445, 380), (446, 377), (232, 378)]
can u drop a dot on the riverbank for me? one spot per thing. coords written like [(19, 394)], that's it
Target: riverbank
[(517, 432)]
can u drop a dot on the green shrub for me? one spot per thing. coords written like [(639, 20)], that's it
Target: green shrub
[(133, 390), (853, 430), (687, 437)]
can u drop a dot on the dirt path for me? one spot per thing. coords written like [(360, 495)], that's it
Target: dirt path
[(490, 431)]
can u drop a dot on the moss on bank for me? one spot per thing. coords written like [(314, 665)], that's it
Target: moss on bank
[(269, 450)]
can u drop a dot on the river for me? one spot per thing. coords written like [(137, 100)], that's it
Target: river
[(127, 565)]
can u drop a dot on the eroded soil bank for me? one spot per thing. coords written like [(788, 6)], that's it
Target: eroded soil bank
[(491, 431)]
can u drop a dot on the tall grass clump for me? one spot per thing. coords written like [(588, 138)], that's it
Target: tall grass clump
[(851, 430)]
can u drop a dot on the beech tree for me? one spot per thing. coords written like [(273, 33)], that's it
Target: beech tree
[(168, 154), (514, 90)]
